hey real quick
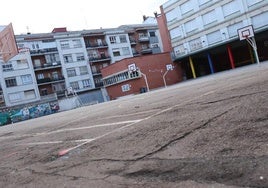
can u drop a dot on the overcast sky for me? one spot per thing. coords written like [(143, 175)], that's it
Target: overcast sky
[(38, 16)]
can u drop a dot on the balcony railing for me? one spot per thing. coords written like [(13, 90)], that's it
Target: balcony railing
[(96, 45), (48, 65), (49, 80), (132, 41), (97, 59), (100, 84), (144, 39), (49, 97), (97, 72), (43, 51), (146, 50)]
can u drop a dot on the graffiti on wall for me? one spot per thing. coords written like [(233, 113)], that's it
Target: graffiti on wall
[(8, 116)]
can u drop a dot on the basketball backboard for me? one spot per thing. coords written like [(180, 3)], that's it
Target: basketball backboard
[(245, 32), (8, 45), (132, 67), (169, 67)]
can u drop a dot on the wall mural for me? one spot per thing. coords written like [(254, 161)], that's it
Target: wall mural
[(8, 116)]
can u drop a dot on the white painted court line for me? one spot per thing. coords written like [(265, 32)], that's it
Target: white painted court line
[(55, 142), (89, 127), (72, 129), (132, 114), (65, 151)]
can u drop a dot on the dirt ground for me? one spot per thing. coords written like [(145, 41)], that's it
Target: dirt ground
[(211, 132)]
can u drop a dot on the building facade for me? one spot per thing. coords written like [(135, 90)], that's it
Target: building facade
[(140, 74), (204, 36), (65, 62), (18, 81)]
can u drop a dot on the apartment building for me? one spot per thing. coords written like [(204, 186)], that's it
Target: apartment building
[(64, 61), (18, 81), (204, 33)]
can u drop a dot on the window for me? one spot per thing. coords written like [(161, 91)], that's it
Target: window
[(83, 70), (77, 43), (253, 2), (260, 20), (172, 15), (7, 67), (190, 26), (30, 94), (202, 2), (22, 64), (86, 83), (125, 87), (209, 17), (112, 39), (40, 76), (116, 52), (68, 58), (152, 33), (231, 8), (123, 39), (55, 75), (92, 54), (11, 82), (214, 37), (80, 57), (26, 79), (13, 97), (126, 51), (175, 33), (121, 77), (71, 72), (232, 29), (64, 44), (44, 92), (187, 7), (74, 85), (52, 58)]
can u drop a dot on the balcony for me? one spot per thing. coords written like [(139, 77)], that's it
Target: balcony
[(100, 84), (48, 66), (45, 81), (96, 73), (132, 41), (99, 59), (146, 50), (96, 45), (49, 97), (60, 93), (136, 54), (144, 39), (43, 51)]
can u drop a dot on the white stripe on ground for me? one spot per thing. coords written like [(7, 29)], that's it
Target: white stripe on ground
[(131, 124), (56, 142)]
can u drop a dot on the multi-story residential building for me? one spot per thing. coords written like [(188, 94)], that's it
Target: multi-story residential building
[(204, 33), (63, 60), (18, 81)]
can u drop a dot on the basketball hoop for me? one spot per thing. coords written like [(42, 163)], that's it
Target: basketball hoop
[(132, 67), (247, 33)]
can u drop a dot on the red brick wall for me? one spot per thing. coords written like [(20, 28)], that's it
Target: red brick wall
[(164, 33), (153, 66)]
